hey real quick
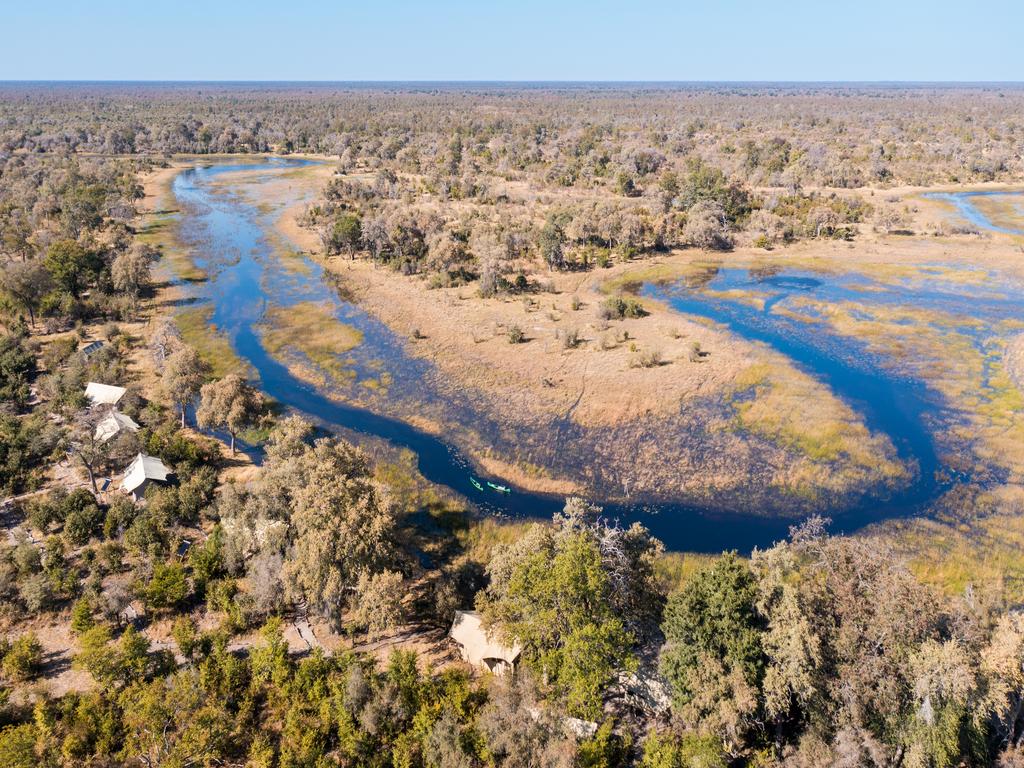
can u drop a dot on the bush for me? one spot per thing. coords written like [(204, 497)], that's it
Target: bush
[(23, 659), (36, 592), (81, 616), (82, 523), (16, 364), (571, 339), (516, 335), (167, 587), (645, 358), (619, 306)]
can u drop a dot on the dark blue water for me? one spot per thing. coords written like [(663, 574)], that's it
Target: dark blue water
[(247, 274), (963, 202)]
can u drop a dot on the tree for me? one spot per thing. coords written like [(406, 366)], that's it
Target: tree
[(97, 656), (712, 658), (71, 265), (706, 226), (378, 602), (343, 524), (346, 234), (175, 722), (26, 283), (167, 587), (231, 404), (566, 599), (130, 271), (92, 452), (183, 377), (23, 658), (16, 363), (551, 242)]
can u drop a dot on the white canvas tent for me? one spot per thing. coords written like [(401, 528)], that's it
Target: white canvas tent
[(113, 424), (103, 394), (141, 472), (479, 647)]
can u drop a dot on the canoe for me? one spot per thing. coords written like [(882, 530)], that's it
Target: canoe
[(476, 483), (499, 488)]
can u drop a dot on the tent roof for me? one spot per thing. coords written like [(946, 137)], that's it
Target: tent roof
[(103, 394), (468, 631), (144, 468), (113, 423)]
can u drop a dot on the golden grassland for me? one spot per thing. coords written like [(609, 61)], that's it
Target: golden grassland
[(311, 329), (979, 543), (788, 408), (958, 356), (199, 332)]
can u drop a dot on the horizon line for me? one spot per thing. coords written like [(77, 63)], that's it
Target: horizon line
[(156, 81)]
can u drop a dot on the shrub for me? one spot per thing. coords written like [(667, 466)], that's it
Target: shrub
[(36, 592), (571, 339), (167, 587), (645, 358), (24, 658), (619, 306), (83, 522), (516, 335), (81, 616)]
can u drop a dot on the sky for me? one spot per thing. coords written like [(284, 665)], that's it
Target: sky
[(532, 40)]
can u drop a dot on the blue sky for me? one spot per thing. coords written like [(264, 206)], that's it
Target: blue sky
[(525, 40)]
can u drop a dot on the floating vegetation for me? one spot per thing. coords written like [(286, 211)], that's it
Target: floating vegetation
[(199, 332), (310, 329)]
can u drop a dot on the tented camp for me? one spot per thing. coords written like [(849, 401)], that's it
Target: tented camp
[(479, 647), (103, 394), (113, 424), (141, 472)]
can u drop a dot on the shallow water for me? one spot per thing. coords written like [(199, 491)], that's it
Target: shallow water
[(965, 207), (228, 237)]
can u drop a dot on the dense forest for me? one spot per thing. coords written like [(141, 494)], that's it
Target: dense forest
[(176, 607)]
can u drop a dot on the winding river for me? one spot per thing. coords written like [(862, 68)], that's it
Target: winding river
[(228, 237)]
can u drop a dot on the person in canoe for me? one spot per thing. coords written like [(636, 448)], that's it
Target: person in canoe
[(476, 483), (499, 488)]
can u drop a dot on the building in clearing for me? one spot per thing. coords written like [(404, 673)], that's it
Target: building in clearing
[(113, 424), (103, 394), (479, 647), (141, 472)]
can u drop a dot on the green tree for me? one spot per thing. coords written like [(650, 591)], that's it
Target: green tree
[(551, 593), (231, 404), (81, 616), (24, 658), (347, 234), (183, 377), (167, 587), (713, 617), (174, 722), (97, 656), (552, 243), (16, 364), (71, 265)]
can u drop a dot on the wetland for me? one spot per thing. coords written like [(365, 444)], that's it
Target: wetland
[(865, 392)]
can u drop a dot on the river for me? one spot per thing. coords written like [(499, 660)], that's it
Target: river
[(228, 237)]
